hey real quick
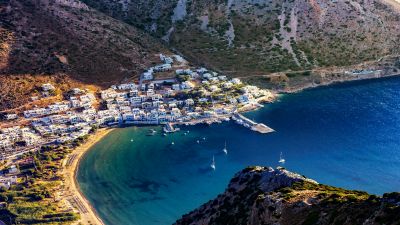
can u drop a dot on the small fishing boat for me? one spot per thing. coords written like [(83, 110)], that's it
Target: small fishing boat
[(281, 159), (213, 164), (172, 143), (131, 140), (198, 141), (225, 150)]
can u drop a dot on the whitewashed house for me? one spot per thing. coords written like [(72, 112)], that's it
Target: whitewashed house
[(176, 87), (166, 59), (236, 81), (227, 85), (187, 85), (189, 102), (128, 86), (162, 68), (48, 87), (11, 116)]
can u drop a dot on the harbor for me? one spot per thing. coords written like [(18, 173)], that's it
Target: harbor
[(248, 123), (237, 117)]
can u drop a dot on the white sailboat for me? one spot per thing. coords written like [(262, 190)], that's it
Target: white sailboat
[(225, 150), (213, 164), (281, 159)]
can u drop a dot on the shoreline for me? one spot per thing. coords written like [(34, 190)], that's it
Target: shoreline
[(72, 192), (350, 78), (71, 172)]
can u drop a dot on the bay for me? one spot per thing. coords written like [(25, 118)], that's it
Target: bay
[(346, 135)]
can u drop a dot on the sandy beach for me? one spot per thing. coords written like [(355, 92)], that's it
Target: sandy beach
[(71, 192)]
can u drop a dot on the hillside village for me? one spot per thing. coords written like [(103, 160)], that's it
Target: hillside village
[(187, 96)]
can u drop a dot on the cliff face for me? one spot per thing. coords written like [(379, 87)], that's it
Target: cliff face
[(262, 195)]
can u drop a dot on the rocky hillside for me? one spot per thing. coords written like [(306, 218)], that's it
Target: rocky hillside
[(247, 37), (69, 39), (262, 195), (52, 36)]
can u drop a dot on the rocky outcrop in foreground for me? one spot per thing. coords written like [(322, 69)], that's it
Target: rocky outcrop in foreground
[(263, 195)]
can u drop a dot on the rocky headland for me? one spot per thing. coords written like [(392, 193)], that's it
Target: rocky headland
[(263, 195)]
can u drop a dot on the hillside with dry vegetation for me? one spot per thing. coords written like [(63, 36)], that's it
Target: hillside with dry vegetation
[(68, 38), (279, 44), (243, 38), (262, 195)]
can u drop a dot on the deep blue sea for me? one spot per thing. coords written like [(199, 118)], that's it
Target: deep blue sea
[(346, 135)]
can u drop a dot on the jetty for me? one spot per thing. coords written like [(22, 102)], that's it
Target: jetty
[(169, 128), (246, 122)]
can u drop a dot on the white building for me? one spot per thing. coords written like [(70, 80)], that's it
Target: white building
[(187, 85), (108, 94), (222, 78), (227, 85), (236, 81), (35, 112), (176, 87), (8, 181), (207, 76), (12, 116), (148, 75), (128, 86), (184, 72), (166, 59), (214, 88), (162, 67), (245, 98), (201, 70), (48, 87), (189, 102)]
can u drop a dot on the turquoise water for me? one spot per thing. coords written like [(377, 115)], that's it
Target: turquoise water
[(346, 135)]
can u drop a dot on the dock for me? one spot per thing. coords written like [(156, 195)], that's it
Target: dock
[(246, 122), (169, 128)]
